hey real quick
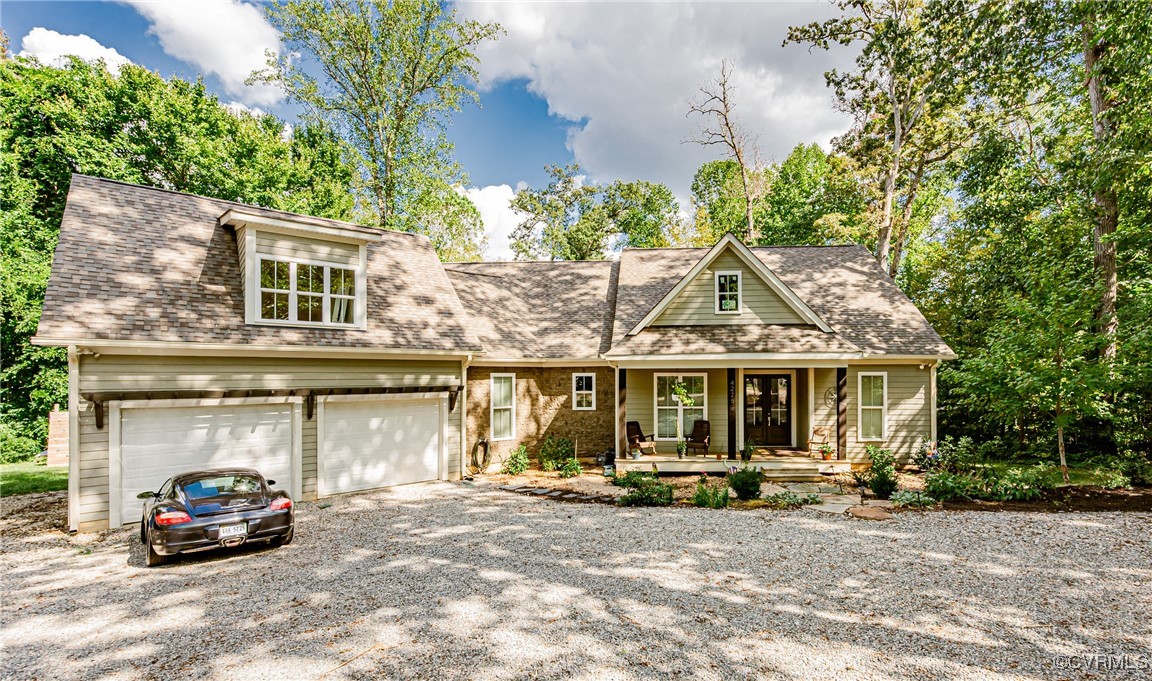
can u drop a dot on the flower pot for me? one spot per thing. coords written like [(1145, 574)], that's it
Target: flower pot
[(827, 457), (635, 454)]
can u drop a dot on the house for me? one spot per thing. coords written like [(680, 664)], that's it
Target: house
[(337, 358)]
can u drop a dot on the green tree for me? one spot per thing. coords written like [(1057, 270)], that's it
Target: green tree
[(718, 199), (573, 219), (139, 128), (390, 75), (814, 198)]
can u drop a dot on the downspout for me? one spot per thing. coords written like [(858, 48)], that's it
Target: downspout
[(73, 439)]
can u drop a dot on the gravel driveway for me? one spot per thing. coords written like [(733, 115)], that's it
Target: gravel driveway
[(454, 581)]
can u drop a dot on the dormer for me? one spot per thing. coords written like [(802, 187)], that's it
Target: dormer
[(730, 286), (302, 272)]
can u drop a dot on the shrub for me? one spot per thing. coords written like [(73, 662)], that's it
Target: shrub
[(554, 451), (947, 486), (746, 483), (949, 455), (517, 462), (710, 496), (650, 492), (882, 476), (571, 468), (911, 499), (790, 500), (16, 447), (1112, 478), (632, 479), (1124, 470), (1022, 484)]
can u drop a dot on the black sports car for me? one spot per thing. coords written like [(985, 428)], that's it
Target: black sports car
[(209, 509)]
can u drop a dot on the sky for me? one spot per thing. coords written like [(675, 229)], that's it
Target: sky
[(602, 84)]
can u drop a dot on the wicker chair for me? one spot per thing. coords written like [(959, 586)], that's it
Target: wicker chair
[(701, 436), (819, 437), (638, 440)]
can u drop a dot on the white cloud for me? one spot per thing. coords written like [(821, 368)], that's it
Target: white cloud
[(51, 48), (493, 202), (625, 71), (226, 38)]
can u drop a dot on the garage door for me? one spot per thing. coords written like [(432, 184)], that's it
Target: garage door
[(370, 444), (156, 444)]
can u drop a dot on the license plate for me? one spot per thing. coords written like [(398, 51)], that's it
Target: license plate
[(233, 530)]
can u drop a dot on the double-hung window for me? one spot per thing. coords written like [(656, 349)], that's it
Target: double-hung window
[(302, 293), (503, 406), (674, 417), (728, 292), (584, 392), (873, 412)]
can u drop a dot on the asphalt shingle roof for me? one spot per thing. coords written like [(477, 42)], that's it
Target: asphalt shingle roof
[(142, 264), (843, 285), (539, 310)]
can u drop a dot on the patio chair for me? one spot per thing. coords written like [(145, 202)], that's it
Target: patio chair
[(819, 437), (701, 436), (638, 440)]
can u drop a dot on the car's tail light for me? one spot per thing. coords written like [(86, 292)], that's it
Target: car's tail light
[(280, 503), (173, 518)]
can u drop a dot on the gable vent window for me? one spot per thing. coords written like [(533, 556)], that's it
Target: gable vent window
[(728, 292), (303, 293)]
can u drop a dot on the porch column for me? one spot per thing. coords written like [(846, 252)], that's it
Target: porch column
[(732, 414), (622, 414), (842, 413)]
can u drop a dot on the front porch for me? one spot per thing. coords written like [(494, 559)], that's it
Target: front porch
[(784, 465), (773, 408)]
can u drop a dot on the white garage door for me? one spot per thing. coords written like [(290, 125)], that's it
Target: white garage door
[(370, 444), (157, 443)]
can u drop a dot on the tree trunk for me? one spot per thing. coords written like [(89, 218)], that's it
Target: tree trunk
[(1063, 459), (1107, 209), (884, 230), (905, 219)]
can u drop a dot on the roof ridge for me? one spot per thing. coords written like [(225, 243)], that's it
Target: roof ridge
[(289, 213)]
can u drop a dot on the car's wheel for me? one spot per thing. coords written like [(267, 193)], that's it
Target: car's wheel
[(284, 538), (152, 559), (143, 537)]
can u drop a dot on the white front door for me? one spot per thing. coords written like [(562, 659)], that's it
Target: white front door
[(157, 443), (378, 443)]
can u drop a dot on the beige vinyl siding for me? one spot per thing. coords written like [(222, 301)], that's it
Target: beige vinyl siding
[(640, 405), (696, 304), (110, 373), (824, 413), (286, 247), (909, 412), (241, 250)]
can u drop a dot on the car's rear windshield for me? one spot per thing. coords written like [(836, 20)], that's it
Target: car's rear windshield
[(224, 492)]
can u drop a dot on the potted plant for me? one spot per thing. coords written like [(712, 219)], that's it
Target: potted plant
[(681, 448), (826, 451), (747, 451)]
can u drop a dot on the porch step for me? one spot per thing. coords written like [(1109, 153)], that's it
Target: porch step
[(793, 470)]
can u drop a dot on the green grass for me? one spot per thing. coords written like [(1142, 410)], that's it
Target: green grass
[(26, 478)]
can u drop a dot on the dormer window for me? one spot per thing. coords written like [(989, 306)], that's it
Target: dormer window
[(728, 288), (305, 293), (301, 271)]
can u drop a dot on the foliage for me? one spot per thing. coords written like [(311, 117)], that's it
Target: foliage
[(681, 448), (575, 219), (632, 479), (949, 454), (790, 500), (387, 76), (571, 468), (29, 478), (648, 492), (517, 461), (882, 475), (140, 128), (911, 499), (827, 450), (746, 482), (747, 451), (710, 496), (1021, 484), (1124, 470), (950, 486), (554, 451)]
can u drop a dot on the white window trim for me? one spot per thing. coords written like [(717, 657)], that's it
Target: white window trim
[(593, 391), (492, 407), (293, 295), (739, 291), (680, 407), (860, 407)]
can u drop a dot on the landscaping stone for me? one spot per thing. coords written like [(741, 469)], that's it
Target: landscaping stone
[(554, 493), (512, 488), (542, 490), (869, 513), (830, 489), (878, 503), (850, 499), (803, 487), (832, 509), (770, 488)]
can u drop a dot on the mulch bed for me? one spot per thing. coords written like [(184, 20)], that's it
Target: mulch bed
[(1066, 500)]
